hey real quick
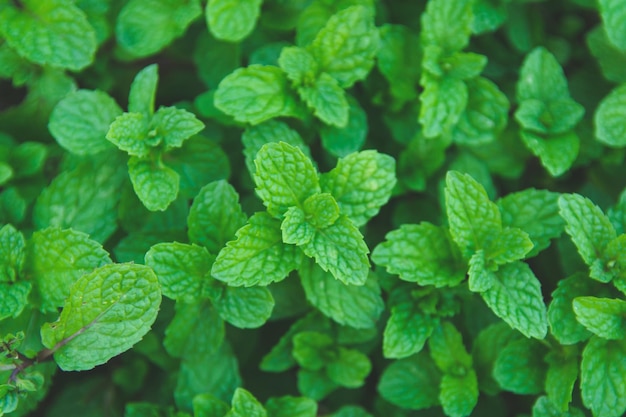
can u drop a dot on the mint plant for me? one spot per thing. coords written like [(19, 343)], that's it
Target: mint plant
[(352, 208)]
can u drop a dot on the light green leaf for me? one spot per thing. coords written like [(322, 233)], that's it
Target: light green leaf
[(508, 245), (590, 230), (136, 23), (602, 316), (173, 126), (471, 215), (349, 368), (196, 329), (563, 323), (181, 269), (422, 253), (448, 351), (206, 405), (459, 394), (245, 405), (299, 65), (480, 277), (350, 305), (245, 307), (447, 24), (258, 256), (284, 177), (13, 292), (561, 376), (341, 142), (156, 185), (459, 65), (288, 406), (255, 94), (557, 153), (311, 349), (232, 20), (610, 128), (553, 117), (55, 259), (536, 212), (541, 78), (407, 329), (80, 121), (611, 59), (340, 250), (411, 383), (13, 298), (520, 367), (361, 183), (489, 15), (602, 377), (107, 312), (53, 32), (346, 46), (143, 91), (516, 298), (215, 216), (321, 210), (129, 132), (443, 101), (296, 230), (327, 100), (613, 14), (546, 408)]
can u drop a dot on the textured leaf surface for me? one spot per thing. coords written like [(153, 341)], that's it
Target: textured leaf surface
[(258, 248), (602, 316), (245, 405), (447, 24), (13, 292), (299, 64), (407, 329), (613, 14), (156, 185), (245, 307), (143, 89), (563, 323), (459, 394), (602, 377), (610, 127), (411, 383), (107, 312), (448, 351), (327, 100), (541, 78), (129, 132), (361, 183), (173, 126), (232, 20), (520, 367), (508, 245), (442, 104)]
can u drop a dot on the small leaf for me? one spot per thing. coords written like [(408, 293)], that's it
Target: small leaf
[(349, 368), (129, 132), (447, 24), (510, 244), (311, 349), (610, 128), (245, 405), (563, 323), (232, 20), (288, 406), (442, 104), (245, 307), (206, 405), (407, 329), (88, 332), (295, 227), (343, 141), (327, 100), (459, 394), (411, 383), (156, 185), (143, 91), (561, 376), (520, 367), (196, 329), (557, 153), (602, 316), (448, 352), (173, 126), (541, 78), (613, 14), (299, 65)]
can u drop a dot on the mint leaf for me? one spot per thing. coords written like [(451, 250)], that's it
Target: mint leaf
[(173, 126), (602, 316), (129, 132), (340, 250), (232, 20), (13, 291), (245, 307), (459, 394), (181, 269), (206, 405), (553, 117), (318, 212), (447, 24), (561, 376), (80, 121), (471, 215), (516, 298), (284, 176), (590, 230), (613, 14), (195, 329), (520, 367), (136, 23), (55, 259), (215, 216), (288, 406), (327, 100), (609, 127), (156, 185), (510, 244), (143, 89), (541, 78), (258, 247), (349, 368), (255, 94), (486, 350), (480, 277), (107, 312), (609, 57), (343, 141), (310, 349), (315, 384), (422, 253), (602, 374), (52, 32), (299, 65), (361, 183), (546, 408), (245, 405), (411, 383), (557, 153), (442, 104), (295, 227), (346, 46), (350, 305), (563, 323)]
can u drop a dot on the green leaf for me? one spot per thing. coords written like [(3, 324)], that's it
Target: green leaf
[(299, 65), (215, 59), (288, 406), (173, 126), (590, 230), (520, 367), (411, 383), (510, 244), (350, 305), (563, 323), (13, 292), (459, 394), (488, 15), (327, 100), (350, 411), (448, 352), (321, 210), (232, 20), (215, 216), (245, 405), (610, 128), (613, 14), (340, 250), (106, 313), (143, 91), (341, 142), (136, 23), (602, 377), (349, 368), (258, 255), (546, 408), (181, 269), (422, 253), (156, 185), (486, 350), (312, 349), (553, 117), (443, 101), (557, 153), (206, 405), (607, 55), (561, 376), (196, 329), (52, 32), (361, 183), (485, 115), (129, 132), (480, 277), (516, 298), (284, 177), (55, 259), (602, 316), (315, 384), (536, 212), (447, 24), (245, 307), (541, 78), (471, 215), (80, 121), (255, 94), (296, 230), (346, 46)]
